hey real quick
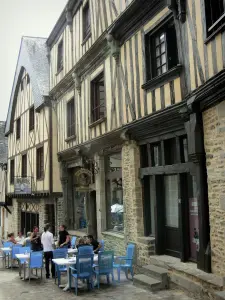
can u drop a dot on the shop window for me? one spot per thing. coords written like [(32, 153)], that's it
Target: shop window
[(155, 155), (12, 171), (97, 98), (215, 15), (70, 118), (80, 217), (60, 56), (86, 21), (24, 166), (18, 123), (31, 118), (170, 151), (40, 163), (161, 54), (114, 193)]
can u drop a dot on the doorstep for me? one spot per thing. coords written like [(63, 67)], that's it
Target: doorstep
[(188, 276)]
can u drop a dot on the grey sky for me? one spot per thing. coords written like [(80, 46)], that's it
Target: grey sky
[(18, 18)]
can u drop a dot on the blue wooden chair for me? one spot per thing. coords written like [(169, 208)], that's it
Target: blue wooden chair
[(105, 266), (36, 262), (73, 242), (83, 250), (83, 270), (102, 249), (15, 250), (125, 263), (7, 253), (28, 243), (60, 253)]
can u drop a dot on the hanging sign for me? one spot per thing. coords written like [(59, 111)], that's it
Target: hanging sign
[(83, 179), (22, 185)]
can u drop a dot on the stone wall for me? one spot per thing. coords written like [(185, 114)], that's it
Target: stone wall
[(114, 242), (43, 218), (14, 225), (214, 139), (60, 219)]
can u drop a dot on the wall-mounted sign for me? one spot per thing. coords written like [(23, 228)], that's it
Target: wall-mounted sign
[(83, 178), (22, 185)]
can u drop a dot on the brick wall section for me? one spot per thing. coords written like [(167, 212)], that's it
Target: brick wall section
[(214, 139), (132, 192), (115, 243), (42, 215), (60, 212), (16, 216)]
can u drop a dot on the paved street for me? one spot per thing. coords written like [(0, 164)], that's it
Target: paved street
[(11, 287)]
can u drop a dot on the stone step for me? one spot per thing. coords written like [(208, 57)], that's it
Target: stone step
[(157, 273), (147, 282), (219, 295)]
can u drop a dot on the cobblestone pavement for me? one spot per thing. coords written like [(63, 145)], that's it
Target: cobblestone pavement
[(12, 287)]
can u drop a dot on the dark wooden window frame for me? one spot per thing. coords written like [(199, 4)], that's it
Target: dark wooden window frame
[(71, 121), (150, 47), (18, 128), (31, 118), (24, 165), (12, 171), (215, 16), (86, 22), (95, 99), (40, 163), (60, 56)]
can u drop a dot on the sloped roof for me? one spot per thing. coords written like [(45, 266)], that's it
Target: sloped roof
[(33, 57), (3, 143)]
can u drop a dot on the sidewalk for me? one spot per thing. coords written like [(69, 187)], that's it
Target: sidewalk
[(12, 288)]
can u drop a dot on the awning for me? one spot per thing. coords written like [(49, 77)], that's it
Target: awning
[(3, 204)]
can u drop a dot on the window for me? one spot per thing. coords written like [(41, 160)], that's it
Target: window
[(60, 56), (31, 118), (12, 169), (161, 54), (40, 163), (28, 79), (24, 166), (18, 128), (156, 155), (98, 98), (86, 21), (215, 15), (170, 151), (114, 192), (70, 119), (183, 149)]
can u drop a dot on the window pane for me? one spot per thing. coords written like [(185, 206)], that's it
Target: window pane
[(171, 199), (163, 48), (80, 217), (159, 71), (163, 59), (164, 69), (162, 37), (157, 41), (114, 188), (158, 62), (157, 51)]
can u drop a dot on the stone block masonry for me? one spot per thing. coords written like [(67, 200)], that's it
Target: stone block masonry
[(214, 140)]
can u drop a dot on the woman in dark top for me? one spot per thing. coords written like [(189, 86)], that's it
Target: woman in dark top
[(36, 240), (64, 237)]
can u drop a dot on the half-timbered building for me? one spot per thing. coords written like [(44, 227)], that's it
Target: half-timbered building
[(31, 132), (136, 86)]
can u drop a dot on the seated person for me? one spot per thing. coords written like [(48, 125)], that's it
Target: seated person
[(11, 238), (20, 238), (96, 245), (81, 243)]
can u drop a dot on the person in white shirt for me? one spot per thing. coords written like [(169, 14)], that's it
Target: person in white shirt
[(20, 238), (47, 241)]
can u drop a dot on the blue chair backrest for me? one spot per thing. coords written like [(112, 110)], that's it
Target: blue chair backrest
[(130, 252), (103, 245), (105, 261), (60, 253), (73, 241), (84, 265), (7, 244), (28, 243), (83, 250), (23, 250), (16, 250), (36, 259)]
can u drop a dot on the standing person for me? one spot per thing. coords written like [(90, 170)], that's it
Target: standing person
[(96, 245), (20, 238), (47, 241), (64, 237), (35, 240)]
